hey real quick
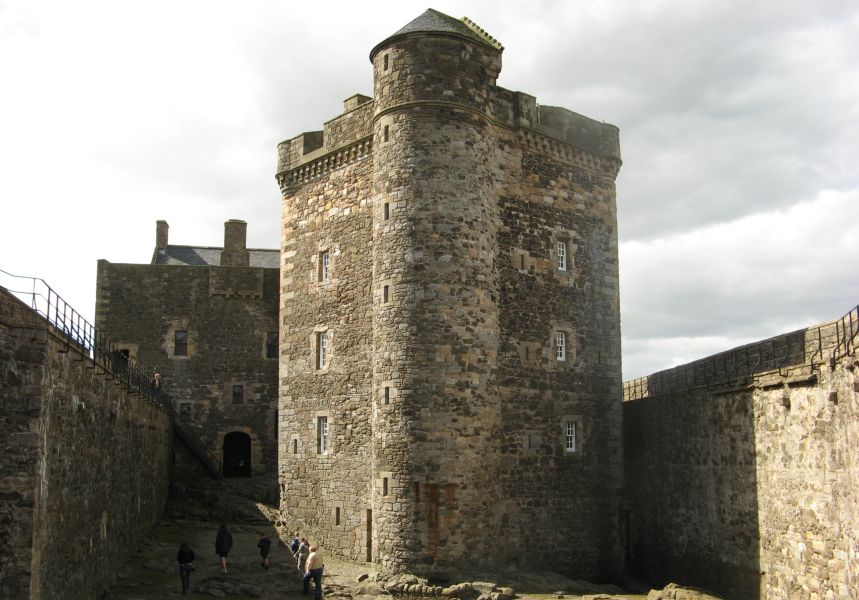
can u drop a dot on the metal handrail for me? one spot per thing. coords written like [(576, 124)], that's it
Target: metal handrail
[(93, 345), (806, 346)]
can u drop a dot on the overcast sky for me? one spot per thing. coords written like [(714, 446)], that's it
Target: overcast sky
[(739, 121)]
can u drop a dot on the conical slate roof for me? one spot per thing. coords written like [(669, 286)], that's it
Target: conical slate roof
[(433, 21)]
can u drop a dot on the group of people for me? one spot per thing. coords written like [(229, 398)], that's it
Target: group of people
[(308, 559), (309, 563)]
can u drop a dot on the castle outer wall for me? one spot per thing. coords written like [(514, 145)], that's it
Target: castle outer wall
[(438, 208), (742, 469), (84, 469)]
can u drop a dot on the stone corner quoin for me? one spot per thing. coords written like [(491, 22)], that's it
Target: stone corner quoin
[(449, 321)]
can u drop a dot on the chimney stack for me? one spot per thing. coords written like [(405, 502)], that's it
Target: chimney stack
[(235, 252), (161, 228)]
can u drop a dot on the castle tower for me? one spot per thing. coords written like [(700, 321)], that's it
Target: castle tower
[(450, 336), (435, 329)]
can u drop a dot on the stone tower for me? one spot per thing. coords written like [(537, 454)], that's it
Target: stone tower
[(450, 354)]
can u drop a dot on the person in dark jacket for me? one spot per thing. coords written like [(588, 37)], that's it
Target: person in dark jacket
[(264, 545), (186, 557), (223, 545)]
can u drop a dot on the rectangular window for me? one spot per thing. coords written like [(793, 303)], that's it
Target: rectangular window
[(185, 411), (570, 438), (385, 62), (238, 393), (387, 395), (322, 435), (386, 210), (336, 515), (384, 486), (321, 350), (324, 266), (271, 344), (180, 343), (562, 256), (386, 294), (561, 345), (385, 133)]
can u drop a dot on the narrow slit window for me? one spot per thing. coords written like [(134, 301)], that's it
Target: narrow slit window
[(324, 270), (385, 62), (521, 261), (386, 132), (322, 435), (386, 294), (386, 210), (321, 350), (387, 395), (561, 345), (271, 344), (295, 446), (336, 515), (384, 486), (570, 437), (562, 256), (180, 343)]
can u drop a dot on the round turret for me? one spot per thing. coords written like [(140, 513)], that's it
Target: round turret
[(435, 288)]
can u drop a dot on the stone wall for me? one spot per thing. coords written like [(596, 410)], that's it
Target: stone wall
[(228, 313), (748, 486), (443, 231), (84, 470)]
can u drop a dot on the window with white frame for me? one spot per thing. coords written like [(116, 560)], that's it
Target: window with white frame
[(322, 435), (560, 345), (321, 350), (562, 256), (570, 437), (324, 270)]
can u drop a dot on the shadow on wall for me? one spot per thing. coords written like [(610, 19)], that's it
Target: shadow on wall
[(692, 491)]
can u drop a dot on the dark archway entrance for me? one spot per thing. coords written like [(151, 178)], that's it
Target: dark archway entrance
[(237, 454)]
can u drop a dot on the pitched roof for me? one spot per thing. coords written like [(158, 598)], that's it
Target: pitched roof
[(433, 21), (211, 256)]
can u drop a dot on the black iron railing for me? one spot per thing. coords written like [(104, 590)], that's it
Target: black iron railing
[(805, 347), (90, 344)]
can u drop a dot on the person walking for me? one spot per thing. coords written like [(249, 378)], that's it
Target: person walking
[(264, 545), (314, 572), (223, 545), (296, 542), (186, 558), (301, 555)]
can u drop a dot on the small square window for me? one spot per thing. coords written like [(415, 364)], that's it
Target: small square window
[(238, 393), (271, 344), (185, 411), (321, 350), (570, 437), (324, 268), (322, 435), (562, 256), (561, 345), (180, 343)]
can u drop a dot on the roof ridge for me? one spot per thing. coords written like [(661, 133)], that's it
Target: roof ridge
[(482, 33)]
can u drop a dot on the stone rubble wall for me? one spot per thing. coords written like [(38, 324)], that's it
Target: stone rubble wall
[(333, 215), (228, 313), (80, 457), (752, 489)]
